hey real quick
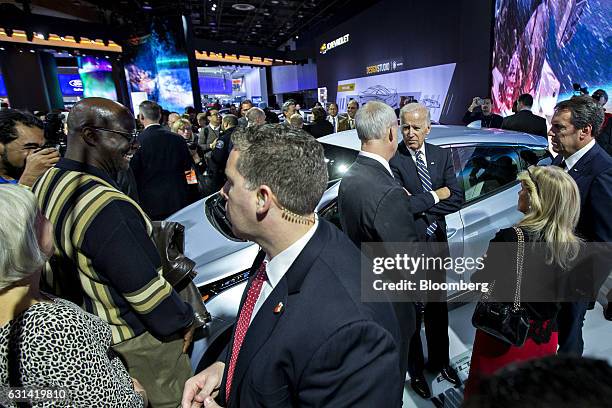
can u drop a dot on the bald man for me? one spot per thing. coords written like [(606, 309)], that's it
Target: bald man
[(105, 260)]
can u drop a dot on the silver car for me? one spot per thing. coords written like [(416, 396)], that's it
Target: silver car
[(486, 163)]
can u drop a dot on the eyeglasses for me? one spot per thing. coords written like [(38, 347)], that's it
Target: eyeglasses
[(129, 136)]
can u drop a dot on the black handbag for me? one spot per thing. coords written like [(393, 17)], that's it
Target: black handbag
[(504, 321), (177, 269)]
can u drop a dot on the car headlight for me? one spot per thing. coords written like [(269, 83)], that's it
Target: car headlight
[(213, 289)]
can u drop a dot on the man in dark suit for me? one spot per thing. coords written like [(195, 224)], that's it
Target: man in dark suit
[(524, 120), (575, 124), (303, 337), (371, 205), (159, 166), (319, 126), (421, 168), (349, 121)]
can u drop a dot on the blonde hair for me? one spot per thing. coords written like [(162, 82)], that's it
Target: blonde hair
[(553, 212), (20, 253), (180, 124)]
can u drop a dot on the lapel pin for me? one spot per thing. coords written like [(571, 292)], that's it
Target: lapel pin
[(432, 163), (279, 308)]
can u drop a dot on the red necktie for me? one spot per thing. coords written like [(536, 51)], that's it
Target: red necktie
[(243, 323)]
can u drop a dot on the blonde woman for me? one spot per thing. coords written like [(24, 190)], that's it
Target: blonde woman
[(550, 200), (47, 342)]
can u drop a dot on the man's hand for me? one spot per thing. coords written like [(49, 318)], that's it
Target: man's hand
[(443, 193), (140, 389), (188, 337), (202, 386), (475, 103), (37, 163)]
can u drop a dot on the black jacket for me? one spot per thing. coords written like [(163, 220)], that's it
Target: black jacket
[(374, 208), (320, 128), (491, 121), (218, 159), (526, 121), (442, 174), (325, 347), (159, 167)]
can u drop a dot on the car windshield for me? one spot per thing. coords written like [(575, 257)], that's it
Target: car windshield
[(338, 160)]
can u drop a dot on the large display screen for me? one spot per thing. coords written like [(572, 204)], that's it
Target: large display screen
[(70, 84), (157, 65), (210, 85), (96, 75), (543, 47)]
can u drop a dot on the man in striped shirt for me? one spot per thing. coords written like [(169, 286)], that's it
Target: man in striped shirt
[(105, 260)]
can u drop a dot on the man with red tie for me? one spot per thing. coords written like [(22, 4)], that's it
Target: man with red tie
[(303, 337)]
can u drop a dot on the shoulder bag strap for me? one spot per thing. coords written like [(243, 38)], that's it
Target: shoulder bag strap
[(520, 254)]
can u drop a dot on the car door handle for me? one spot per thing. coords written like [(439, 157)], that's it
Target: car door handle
[(450, 232)]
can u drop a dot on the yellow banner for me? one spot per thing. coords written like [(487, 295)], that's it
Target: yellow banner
[(346, 87)]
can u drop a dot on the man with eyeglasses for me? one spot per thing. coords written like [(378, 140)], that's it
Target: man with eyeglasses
[(159, 166), (23, 159), (105, 260)]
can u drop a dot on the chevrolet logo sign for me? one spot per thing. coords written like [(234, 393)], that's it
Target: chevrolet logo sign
[(336, 43)]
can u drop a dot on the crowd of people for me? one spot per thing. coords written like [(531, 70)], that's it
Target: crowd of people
[(85, 306)]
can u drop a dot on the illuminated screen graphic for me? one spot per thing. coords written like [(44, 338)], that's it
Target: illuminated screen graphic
[(3, 91), (542, 47), (158, 66), (70, 84), (96, 75)]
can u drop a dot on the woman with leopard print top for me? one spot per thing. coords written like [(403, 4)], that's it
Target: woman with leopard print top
[(49, 343)]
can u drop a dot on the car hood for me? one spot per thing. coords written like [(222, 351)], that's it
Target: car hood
[(209, 248)]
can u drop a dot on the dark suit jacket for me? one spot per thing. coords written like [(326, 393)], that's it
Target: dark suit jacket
[(526, 121), (442, 174), (371, 203), (593, 175), (320, 128), (326, 347), (159, 167), (374, 208)]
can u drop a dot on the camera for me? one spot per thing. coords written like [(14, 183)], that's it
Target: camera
[(54, 132)]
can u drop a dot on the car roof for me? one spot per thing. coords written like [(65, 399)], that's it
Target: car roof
[(448, 135)]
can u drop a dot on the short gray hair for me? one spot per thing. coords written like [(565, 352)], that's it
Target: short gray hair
[(20, 253), (296, 120), (584, 111), (255, 114), (374, 120), (230, 120), (413, 107), (288, 160), (150, 110)]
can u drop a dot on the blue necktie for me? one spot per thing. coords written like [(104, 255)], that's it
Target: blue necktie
[(426, 183)]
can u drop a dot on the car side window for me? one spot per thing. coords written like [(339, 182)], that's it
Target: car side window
[(331, 214), (534, 156), (482, 170)]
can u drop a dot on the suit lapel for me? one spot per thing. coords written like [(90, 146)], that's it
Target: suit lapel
[(412, 179), (432, 165), (581, 168), (265, 320)]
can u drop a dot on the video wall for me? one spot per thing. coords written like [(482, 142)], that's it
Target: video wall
[(543, 47), (96, 76), (157, 67), (3, 91)]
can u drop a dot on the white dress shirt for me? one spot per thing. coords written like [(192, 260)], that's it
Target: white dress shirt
[(379, 159), (573, 159), (413, 155), (334, 121), (152, 124), (278, 266)]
